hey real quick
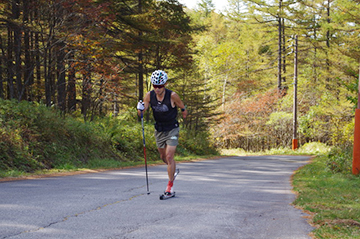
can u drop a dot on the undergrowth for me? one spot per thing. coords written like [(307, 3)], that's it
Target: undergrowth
[(313, 148), (339, 160), (34, 138)]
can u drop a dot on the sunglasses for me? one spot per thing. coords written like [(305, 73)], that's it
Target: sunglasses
[(158, 86)]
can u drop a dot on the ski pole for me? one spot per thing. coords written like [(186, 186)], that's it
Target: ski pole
[(146, 171)]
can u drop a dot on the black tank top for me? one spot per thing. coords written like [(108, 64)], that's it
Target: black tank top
[(164, 114)]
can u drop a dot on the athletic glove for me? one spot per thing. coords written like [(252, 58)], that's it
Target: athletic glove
[(140, 105)]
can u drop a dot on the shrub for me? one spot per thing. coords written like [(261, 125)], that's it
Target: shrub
[(339, 160), (34, 137), (195, 143)]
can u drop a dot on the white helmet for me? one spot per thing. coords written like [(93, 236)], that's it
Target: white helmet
[(159, 77)]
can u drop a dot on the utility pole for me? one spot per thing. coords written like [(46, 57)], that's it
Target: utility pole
[(280, 47), (295, 140), (356, 149)]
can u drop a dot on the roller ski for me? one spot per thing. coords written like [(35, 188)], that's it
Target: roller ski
[(169, 193)]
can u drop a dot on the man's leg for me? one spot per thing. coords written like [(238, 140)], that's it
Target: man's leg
[(171, 165), (162, 152), (167, 155), (170, 141)]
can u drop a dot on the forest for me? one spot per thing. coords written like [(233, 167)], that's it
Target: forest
[(235, 69)]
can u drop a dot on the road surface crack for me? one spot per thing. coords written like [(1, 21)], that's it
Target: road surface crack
[(72, 216)]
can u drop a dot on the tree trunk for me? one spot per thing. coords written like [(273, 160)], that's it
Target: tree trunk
[(47, 78), (71, 86), (224, 91), (2, 57), (86, 93), (10, 69), (38, 94), (283, 50), (17, 48), (61, 84), (28, 63), (101, 97)]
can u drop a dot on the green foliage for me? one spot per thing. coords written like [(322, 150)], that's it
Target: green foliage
[(324, 112), (195, 143), (231, 56), (332, 199), (332, 124), (314, 124), (127, 139), (34, 137), (339, 160), (314, 148), (277, 119), (280, 124), (353, 87)]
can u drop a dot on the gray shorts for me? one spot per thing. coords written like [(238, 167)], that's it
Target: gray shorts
[(167, 138)]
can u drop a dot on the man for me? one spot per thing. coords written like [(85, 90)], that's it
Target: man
[(164, 104)]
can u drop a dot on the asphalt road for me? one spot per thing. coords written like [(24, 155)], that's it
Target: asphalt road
[(233, 197)]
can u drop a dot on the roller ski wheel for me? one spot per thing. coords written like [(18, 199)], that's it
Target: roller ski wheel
[(167, 195)]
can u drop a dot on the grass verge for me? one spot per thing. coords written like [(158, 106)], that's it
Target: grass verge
[(331, 199)]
